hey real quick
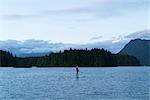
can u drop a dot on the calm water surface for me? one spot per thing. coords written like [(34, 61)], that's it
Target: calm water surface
[(121, 83)]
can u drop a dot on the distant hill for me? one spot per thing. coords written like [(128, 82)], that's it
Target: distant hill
[(67, 58), (140, 49), (33, 54)]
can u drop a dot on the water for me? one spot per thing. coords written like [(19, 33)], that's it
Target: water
[(121, 83)]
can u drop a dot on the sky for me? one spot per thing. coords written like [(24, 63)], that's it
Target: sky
[(78, 22)]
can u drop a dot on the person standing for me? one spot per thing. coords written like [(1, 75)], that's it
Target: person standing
[(77, 71)]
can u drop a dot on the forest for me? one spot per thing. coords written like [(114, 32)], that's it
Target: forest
[(69, 58)]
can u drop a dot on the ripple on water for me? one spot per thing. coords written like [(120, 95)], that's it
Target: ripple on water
[(61, 84)]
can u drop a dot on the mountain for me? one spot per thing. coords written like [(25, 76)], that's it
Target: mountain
[(140, 49)]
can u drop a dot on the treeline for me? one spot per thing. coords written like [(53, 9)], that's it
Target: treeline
[(73, 57), (7, 58)]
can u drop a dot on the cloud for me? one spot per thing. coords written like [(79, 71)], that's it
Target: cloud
[(77, 10), (13, 17), (103, 9), (100, 9), (47, 13), (118, 42), (110, 45), (96, 38), (32, 46), (40, 46), (145, 34)]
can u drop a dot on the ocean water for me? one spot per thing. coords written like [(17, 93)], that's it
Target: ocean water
[(120, 83)]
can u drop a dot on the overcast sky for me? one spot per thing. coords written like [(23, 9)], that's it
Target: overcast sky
[(32, 26), (72, 21)]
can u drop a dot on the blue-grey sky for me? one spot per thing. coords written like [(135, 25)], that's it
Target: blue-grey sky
[(37, 26), (72, 21)]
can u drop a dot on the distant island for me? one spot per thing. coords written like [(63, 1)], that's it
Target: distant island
[(82, 57)]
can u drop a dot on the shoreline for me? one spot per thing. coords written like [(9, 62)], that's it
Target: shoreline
[(75, 66)]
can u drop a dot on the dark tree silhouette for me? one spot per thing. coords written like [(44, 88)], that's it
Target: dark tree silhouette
[(83, 58)]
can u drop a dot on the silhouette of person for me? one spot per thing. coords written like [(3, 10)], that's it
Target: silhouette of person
[(77, 71)]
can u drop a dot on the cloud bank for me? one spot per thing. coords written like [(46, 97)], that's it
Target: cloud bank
[(145, 34), (41, 46)]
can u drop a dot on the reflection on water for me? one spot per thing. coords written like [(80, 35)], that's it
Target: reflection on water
[(77, 75), (64, 84)]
